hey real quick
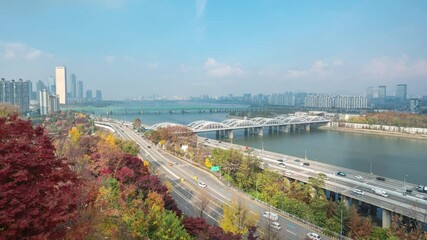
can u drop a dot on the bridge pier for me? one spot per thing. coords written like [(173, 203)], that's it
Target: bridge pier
[(270, 129), (287, 128), (346, 200), (229, 134), (246, 131), (386, 218), (260, 131), (307, 127), (294, 127), (217, 134)]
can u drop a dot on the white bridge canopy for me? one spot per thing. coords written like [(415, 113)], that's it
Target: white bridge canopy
[(230, 124)]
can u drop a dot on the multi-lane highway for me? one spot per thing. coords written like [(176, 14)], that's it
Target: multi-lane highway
[(185, 178), (412, 204)]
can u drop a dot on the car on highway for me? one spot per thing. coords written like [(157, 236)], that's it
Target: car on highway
[(275, 226), (281, 164), (358, 177), (297, 160), (288, 173), (342, 174), (202, 184), (175, 162), (149, 146), (380, 178), (313, 236), (358, 192), (306, 164), (271, 216), (280, 160)]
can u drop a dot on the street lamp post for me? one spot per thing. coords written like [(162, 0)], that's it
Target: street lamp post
[(404, 180)]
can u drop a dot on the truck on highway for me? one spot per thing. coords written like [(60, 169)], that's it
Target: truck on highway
[(380, 192), (422, 188)]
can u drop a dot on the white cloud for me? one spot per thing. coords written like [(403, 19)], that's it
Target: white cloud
[(319, 68), (213, 68), (200, 7), (109, 59), (19, 51), (387, 67)]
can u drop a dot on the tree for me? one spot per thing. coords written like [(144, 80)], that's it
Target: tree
[(8, 109), (237, 218), (359, 228), (38, 192), (202, 201), (137, 123)]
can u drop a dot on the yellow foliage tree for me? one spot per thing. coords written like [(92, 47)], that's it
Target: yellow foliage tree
[(111, 140), (74, 134), (208, 163), (162, 142), (237, 219), (147, 164)]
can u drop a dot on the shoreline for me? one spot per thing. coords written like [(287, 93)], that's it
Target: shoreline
[(376, 132)]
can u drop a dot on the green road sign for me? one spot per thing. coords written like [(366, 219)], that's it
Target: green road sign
[(215, 169)]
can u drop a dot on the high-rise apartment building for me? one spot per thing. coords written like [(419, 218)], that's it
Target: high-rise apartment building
[(15, 93), (48, 103), (80, 91), (73, 86), (401, 92), (98, 96), (284, 99), (369, 94), (61, 83), (382, 94), (89, 96)]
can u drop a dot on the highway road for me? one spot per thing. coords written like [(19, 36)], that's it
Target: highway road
[(413, 204), (186, 191)]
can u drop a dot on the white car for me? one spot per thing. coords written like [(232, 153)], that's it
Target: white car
[(202, 184), (275, 226), (313, 236), (358, 177), (270, 215), (288, 173), (358, 192)]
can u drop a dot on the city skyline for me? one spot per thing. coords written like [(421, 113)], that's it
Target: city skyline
[(218, 47)]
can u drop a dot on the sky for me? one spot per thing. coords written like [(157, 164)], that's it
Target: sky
[(130, 48)]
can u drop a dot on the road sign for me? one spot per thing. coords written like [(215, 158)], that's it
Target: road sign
[(215, 169)]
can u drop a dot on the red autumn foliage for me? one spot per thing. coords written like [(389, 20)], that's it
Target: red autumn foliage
[(38, 192), (198, 228)]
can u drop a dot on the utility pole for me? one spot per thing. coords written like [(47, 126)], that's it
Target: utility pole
[(341, 224)]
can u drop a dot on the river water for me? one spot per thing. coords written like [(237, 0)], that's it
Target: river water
[(391, 157)]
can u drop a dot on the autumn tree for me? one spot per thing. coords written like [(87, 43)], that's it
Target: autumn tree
[(8, 109), (137, 123), (358, 227), (38, 192), (237, 219), (202, 201)]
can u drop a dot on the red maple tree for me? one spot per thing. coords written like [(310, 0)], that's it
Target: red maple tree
[(38, 192)]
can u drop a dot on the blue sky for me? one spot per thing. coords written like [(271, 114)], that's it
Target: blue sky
[(129, 48)]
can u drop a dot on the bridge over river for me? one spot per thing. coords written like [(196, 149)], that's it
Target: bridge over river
[(283, 123)]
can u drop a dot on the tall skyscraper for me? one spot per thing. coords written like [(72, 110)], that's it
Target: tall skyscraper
[(369, 94), (73, 86), (80, 91), (382, 94), (61, 83), (44, 101), (402, 92)]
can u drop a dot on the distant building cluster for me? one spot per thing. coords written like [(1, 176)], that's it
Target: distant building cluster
[(46, 98)]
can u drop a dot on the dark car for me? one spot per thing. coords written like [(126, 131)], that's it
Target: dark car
[(280, 160), (297, 160), (342, 174), (380, 178), (306, 164)]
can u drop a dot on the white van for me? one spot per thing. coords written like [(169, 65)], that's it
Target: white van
[(271, 216), (275, 226)]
